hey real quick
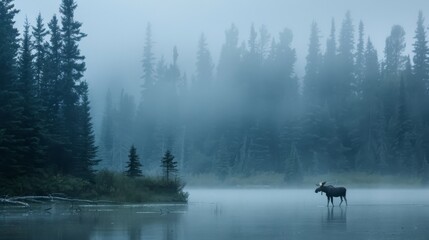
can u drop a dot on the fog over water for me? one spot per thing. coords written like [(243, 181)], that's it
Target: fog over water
[(238, 214), (116, 30)]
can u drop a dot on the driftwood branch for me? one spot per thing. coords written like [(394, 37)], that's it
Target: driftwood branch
[(8, 201), (42, 199)]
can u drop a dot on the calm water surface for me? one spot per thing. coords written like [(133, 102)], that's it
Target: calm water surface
[(233, 214)]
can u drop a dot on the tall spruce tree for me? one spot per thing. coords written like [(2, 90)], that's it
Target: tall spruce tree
[(403, 134), (345, 59), (31, 151), (418, 85), (10, 111), (204, 74), (393, 64), (285, 62), (421, 51), (229, 57), (51, 97), (200, 97), (146, 120), (73, 67), (394, 58), (360, 61), (263, 43), (329, 75), (39, 33), (370, 135), (148, 61), (87, 149), (51, 85), (312, 79)]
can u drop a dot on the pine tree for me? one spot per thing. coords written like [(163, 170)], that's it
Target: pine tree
[(345, 110), (372, 70), (51, 85), (169, 166), (200, 96), (133, 164), (204, 74), (421, 51), (51, 97), (29, 135), (418, 84), (148, 101), (369, 111), (252, 42), (345, 59), (229, 57), (328, 71), (393, 64), (148, 61), (264, 42), (26, 84), (312, 79), (84, 166), (72, 68), (394, 60), (360, 61), (285, 62), (39, 33), (10, 111)]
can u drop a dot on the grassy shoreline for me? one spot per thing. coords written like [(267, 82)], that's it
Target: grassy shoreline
[(106, 185)]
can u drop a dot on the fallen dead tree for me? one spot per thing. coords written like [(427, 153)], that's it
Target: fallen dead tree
[(24, 200)]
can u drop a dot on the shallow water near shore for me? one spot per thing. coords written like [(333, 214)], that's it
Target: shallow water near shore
[(233, 214)]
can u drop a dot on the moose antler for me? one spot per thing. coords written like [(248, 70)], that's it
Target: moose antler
[(320, 184)]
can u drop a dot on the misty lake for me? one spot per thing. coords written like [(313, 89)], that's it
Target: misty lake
[(234, 214)]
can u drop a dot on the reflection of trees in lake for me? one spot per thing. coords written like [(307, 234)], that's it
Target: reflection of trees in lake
[(132, 223), (48, 227)]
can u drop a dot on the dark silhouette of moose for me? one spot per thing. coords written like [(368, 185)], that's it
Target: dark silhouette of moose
[(332, 192)]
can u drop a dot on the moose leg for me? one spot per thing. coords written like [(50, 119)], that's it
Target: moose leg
[(341, 200), (328, 201), (332, 201), (345, 199)]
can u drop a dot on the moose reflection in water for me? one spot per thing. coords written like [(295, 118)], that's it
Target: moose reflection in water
[(332, 192), (340, 215)]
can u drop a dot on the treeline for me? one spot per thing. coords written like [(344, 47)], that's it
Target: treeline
[(45, 122), (352, 111)]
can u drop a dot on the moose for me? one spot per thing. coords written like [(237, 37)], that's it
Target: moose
[(332, 192)]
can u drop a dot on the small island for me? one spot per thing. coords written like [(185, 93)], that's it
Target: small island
[(103, 187)]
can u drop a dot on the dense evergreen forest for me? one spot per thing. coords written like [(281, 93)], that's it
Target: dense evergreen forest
[(45, 122), (355, 110)]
